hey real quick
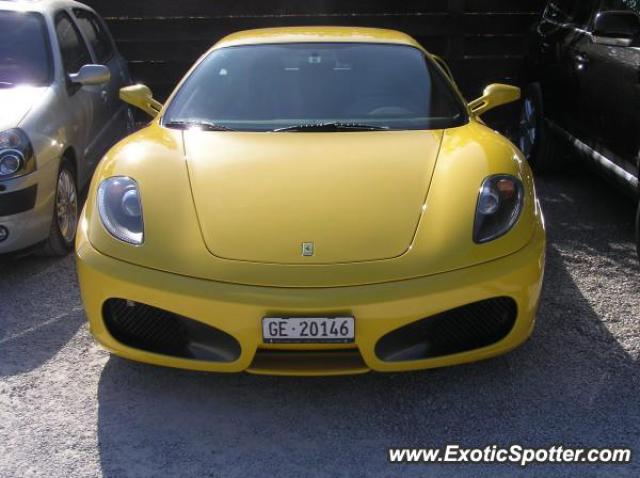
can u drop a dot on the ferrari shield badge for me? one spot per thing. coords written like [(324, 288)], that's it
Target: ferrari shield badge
[(308, 249)]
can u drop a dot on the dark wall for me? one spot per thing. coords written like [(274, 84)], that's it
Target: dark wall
[(481, 39)]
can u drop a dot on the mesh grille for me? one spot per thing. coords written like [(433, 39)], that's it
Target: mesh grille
[(458, 330), (155, 330), (146, 327)]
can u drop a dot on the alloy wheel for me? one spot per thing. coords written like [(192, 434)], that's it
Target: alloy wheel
[(528, 128), (67, 205)]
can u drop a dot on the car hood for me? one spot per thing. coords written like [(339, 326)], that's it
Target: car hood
[(347, 197), (217, 200), (16, 104)]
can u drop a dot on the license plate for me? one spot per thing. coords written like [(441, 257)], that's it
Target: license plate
[(317, 330)]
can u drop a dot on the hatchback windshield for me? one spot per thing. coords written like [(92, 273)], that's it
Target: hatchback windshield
[(24, 54), (298, 87)]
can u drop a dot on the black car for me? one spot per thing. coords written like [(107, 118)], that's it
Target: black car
[(583, 88)]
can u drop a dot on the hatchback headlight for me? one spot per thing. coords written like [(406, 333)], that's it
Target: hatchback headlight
[(120, 209), (16, 154), (499, 207)]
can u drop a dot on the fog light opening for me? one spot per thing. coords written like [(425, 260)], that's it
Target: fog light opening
[(4, 233)]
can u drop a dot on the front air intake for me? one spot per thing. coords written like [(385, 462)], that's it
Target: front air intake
[(150, 329), (458, 330)]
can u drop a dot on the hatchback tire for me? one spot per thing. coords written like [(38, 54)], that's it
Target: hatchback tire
[(638, 230)]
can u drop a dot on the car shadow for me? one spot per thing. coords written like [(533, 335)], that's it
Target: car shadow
[(34, 328), (590, 220), (571, 384)]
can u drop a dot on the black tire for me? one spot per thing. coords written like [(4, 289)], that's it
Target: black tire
[(638, 230), (536, 140), (131, 122), (62, 236)]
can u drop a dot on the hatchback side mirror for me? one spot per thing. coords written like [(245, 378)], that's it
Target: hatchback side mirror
[(494, 95), (616, 27), (141, 97), (91, 75)]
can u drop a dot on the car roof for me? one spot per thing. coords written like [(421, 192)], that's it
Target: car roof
[(42, 6), (316, 35)]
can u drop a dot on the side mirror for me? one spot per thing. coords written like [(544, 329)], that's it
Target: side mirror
[(91, 75), (616, 27), (141, 97), (494, 95)]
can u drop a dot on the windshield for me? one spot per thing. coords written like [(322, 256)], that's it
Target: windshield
[(24, 52), (285, 86)]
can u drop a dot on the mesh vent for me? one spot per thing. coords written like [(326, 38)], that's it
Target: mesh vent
[(458, 330), (155, 330)]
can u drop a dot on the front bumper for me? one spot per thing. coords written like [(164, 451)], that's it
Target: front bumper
[(379, 309), (26, 209)]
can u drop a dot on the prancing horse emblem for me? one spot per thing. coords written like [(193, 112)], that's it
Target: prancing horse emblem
[(308, 249)]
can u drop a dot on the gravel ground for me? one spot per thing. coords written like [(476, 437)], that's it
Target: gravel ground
[(69, 409)]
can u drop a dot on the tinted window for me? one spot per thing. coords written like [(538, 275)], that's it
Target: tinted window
[(73, 49), (633, 5), (24, 50), (265, 87), (96, 34), (574, 12)]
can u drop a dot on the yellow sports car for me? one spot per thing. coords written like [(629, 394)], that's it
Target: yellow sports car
[(313, 201)]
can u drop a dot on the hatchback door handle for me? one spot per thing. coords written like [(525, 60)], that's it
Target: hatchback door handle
[(581, 60)]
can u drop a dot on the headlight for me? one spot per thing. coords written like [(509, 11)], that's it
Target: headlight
[(120, 209), (499, 207), (16, 154)]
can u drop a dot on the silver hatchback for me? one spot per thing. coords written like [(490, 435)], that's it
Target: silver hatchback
[(60, 74)]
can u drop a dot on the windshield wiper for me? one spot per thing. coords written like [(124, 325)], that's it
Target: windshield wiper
[(203, 125), (330, 127)]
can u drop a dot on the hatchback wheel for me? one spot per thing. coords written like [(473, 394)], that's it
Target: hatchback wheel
[(65, 213)]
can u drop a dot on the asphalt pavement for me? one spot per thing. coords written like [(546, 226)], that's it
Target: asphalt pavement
[(68, 409)]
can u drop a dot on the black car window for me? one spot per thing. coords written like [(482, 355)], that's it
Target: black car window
[(25, 56), (74, 52), (273, 86), (573, 12), (633, 5), (96, 34)]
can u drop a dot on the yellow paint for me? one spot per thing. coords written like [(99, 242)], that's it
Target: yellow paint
[(316, 34), (141, 97), (391, 214), (494, 95), (357, 196)]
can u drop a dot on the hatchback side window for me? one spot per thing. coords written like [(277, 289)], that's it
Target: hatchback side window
[(96, 34), (559, 10), (75, 53), (633, 5), (571, 12)]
